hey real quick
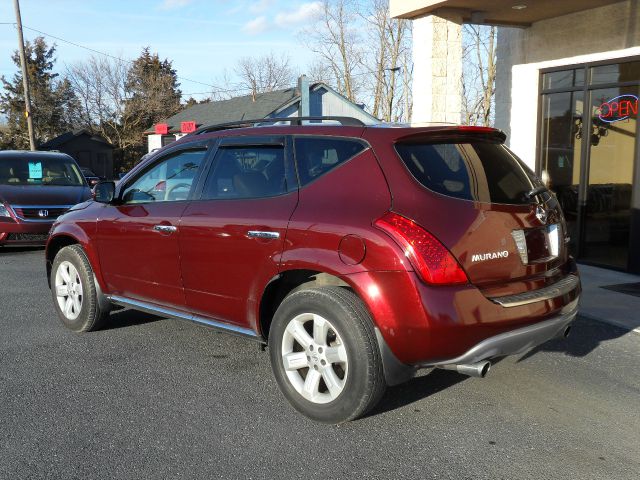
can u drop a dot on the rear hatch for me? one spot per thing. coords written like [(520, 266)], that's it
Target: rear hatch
[(491, 212)]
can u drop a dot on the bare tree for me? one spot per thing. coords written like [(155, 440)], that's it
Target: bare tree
[(336, 41), (365, 54), (478, 74), (389, 60), (228, 89), (264, 74), (119, 99), (100, 85), (319, 71)]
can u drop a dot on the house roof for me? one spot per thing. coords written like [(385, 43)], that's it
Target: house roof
[(241, 108), (237, 108), (68, 136)]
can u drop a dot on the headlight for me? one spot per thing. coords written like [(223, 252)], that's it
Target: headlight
[(4, 211)]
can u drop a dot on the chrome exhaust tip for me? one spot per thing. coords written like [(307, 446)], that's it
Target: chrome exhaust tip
[(479, 369)]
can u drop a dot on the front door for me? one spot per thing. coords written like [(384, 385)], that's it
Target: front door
[(232, 238), (607, 216), (138, 238)]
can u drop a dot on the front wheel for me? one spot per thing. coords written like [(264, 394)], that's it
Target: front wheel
[(75, 295), (324, 354)]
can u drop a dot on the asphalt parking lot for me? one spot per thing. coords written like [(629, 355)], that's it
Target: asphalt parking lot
[(156, 398)]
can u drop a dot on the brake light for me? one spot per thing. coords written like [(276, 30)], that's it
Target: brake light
[(430, 259), (476, 128)]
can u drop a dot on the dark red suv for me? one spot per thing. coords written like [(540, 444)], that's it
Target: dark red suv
[(358, 253)]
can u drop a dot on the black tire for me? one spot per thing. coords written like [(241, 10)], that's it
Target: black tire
[(363, 383), (94, 310)]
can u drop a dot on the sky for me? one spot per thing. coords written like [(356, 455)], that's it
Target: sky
[(201, 37)]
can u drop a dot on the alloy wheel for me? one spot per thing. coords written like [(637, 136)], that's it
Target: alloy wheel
[(69, 293), (314, 358)]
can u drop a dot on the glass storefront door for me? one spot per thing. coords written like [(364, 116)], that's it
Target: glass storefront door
[(607, 217), (588, 150), (561, 159)]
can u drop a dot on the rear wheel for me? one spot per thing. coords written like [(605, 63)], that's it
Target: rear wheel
[(325, 356), (75, 295)]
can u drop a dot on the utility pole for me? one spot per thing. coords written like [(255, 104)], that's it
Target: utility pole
[(25, 78)]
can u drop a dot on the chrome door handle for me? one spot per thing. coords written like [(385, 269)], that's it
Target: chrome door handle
[(261, 234), (165, 228)]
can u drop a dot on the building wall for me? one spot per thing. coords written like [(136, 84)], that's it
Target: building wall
[(437, 72), (96, 156), (598, 34), (325, 103), (154, 141), (510, 52)]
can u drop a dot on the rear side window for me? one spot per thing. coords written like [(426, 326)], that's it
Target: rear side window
[(317, 155), (247, 172), (480, 171)]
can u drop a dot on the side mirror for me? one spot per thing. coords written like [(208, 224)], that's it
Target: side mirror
[(104, 192)]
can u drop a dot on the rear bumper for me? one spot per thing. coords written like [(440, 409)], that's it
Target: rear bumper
[(425, 324), (23, 233), (515, 341), (512, 342)]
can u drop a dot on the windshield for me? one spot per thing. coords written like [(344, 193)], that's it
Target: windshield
[(40, 171)]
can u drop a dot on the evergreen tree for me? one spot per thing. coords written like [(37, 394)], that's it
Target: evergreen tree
[(152, 96), (53, 102)]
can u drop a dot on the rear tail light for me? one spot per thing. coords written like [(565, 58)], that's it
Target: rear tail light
[(430, 259)]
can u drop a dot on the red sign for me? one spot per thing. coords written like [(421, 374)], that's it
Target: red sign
[(162, 128), (188, 127), (619, 108)]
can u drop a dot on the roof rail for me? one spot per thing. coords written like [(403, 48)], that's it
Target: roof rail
[(345, 121)]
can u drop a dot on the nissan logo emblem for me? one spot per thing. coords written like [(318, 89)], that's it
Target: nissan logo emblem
[(43, 213)]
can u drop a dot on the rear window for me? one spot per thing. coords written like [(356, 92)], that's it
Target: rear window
[(479, 171), (317, 155)]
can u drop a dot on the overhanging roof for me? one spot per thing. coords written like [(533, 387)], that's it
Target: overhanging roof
[(495, 12)]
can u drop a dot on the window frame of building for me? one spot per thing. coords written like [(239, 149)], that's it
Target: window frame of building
[(633, 261)]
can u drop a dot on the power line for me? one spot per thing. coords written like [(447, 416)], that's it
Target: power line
[(102, 53), (212, 92)]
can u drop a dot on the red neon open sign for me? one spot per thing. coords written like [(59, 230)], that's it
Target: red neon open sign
[(618, 108)]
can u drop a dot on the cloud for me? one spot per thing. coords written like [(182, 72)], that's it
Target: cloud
[(260, 6), (172, 4), (303, 14), (256, 26)]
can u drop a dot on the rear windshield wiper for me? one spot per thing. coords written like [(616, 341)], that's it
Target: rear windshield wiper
[(536, 191)]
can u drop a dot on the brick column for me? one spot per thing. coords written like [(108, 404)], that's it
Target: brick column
[(437, 71)]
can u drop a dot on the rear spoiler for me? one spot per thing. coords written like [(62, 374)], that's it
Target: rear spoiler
[(459, 133)]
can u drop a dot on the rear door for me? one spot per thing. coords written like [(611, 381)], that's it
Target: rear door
[(231, 238), (138, 238), (489, 209)]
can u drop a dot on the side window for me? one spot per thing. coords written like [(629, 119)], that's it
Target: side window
[(169, 180), (247, 172), (316, 156)]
